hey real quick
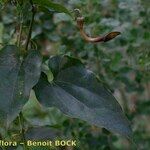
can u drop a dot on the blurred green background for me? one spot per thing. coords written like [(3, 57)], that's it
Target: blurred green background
[(122, 64)]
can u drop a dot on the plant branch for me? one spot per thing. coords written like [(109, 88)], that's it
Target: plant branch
[(31, 25)]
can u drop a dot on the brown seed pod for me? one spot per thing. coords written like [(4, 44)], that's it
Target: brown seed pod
[(80, 25)]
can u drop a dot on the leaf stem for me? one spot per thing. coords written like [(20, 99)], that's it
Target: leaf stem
[(31, 25)]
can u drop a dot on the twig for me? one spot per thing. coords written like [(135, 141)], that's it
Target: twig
[(31, 25)]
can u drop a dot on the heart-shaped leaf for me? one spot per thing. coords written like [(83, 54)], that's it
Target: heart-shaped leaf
[(78, 93), (17, 77)]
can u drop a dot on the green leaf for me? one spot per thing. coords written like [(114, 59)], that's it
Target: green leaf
[(17, 77), (54, 6), (78, 93)]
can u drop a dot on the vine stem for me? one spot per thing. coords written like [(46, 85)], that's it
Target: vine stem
[(20, 25), (31, 25)]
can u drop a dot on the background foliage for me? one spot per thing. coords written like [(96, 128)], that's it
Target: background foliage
[(122, 64)]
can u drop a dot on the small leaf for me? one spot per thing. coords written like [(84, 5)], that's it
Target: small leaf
[(78, 93), (17, 77), (53, 6)]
